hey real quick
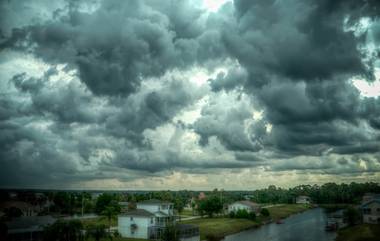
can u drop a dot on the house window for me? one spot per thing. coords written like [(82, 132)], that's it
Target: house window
[(131, 218), (151, 220)]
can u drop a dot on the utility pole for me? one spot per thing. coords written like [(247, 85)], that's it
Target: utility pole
[(82, 204)]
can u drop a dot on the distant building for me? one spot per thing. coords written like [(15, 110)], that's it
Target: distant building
[(303, 200), (26, 208), (370, 196), (244, 205), (27, 228), (201, 196), (336, 220), (150, 219), (371, 211)]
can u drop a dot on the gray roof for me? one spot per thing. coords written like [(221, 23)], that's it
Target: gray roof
[(138, 212), (369, 202), (160, 213), (29, 223), (153, 201)]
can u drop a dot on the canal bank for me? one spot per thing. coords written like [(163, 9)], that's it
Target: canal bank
[(221, 227), (306, 226)]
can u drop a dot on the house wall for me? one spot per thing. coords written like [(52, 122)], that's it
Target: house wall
[(124, 226), (238, 206), (374, 215), (303, 201)]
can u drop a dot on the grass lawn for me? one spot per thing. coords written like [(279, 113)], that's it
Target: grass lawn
[(362, 232), (223, 226), (283, 211), (220, 226), (98, 220), (188, 213)]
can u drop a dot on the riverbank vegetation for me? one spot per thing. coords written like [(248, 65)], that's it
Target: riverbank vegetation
[(362, 232), (285, 210), (219, 227)]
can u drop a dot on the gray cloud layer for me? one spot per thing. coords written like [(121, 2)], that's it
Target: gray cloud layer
[(114, 99)]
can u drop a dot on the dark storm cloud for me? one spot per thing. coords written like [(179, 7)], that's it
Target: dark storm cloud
[(299, 61), (121, 43), (292, 61)]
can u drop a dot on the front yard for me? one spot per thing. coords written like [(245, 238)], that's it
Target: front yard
[(362, 232), (220, 227)]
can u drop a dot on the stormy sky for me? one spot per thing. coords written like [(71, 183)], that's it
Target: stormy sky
[(188, 94)]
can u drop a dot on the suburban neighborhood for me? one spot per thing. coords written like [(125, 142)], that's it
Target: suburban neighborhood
[(137, 216)]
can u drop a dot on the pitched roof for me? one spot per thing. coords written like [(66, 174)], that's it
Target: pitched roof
[(370, 201), (160, 214), (153, 201), (29, 223), (248, 203), (138, 212)]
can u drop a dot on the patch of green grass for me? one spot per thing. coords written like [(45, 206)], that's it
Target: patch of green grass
[(224, 226), (188, 213), (98, 220), (283, 211), (221, 226), (362, 232)]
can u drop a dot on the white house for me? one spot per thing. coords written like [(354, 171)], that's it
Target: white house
[(246, 205), (149, 220), (371, 211), (303, 200)]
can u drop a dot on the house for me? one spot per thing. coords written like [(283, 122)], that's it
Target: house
[(149, 220), (244, 205), (27, 228), (370, 196), (336, 220), (371, 211), (25, 208), (303, 200), (201, 196)]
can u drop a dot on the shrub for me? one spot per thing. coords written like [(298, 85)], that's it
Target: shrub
[(265, 212), (242, 213), (252, 215)]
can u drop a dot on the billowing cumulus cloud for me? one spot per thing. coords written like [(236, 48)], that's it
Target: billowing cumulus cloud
[(152, 94)]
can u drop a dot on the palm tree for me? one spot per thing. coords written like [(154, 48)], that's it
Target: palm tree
[(110, 212)]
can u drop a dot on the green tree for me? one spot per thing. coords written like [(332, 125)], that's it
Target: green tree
[(264, 212), (210, 206), (110, 212), (106, 200), (96, 231), (64, 231), (352, 215), (242, 213), (178, 204)]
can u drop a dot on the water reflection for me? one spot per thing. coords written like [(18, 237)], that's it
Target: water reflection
[(306, 226)]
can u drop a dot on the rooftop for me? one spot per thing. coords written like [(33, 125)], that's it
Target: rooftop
[(153, 201), (370, 201), (29, 223), (248, 203), (138, 212)]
